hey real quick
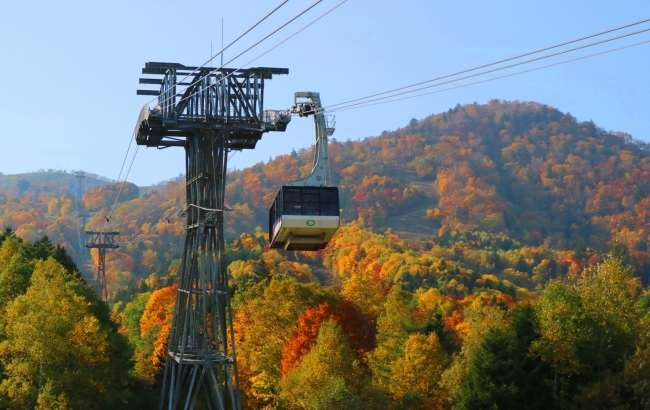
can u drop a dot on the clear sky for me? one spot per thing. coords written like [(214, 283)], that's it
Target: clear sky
[(70, 68)]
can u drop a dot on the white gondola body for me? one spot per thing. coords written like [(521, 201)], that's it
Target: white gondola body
[(304, 232)]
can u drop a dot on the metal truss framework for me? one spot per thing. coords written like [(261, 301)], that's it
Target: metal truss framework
[(217, 112), (82, 215), (101, 241), (227, 100)]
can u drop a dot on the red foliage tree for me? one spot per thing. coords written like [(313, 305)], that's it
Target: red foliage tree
[(359, 329)]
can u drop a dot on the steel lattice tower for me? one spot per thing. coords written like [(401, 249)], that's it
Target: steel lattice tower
[(218, 112), (101, 241), (82, 214)]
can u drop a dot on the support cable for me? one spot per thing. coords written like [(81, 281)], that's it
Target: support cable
[(207, 209), (124, 161), (110, 215), (239, 55), (367, 103), (497, 62), (494, 70), (144, 236), (261, 55), (168, 218), (495, 78), (155, 229), (152, 231), (233, 42), (108, 218)]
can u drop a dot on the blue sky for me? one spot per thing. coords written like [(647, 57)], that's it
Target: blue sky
[(70, 68)]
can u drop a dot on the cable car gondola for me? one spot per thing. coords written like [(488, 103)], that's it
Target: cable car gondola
[(304, 218), (305, 213)]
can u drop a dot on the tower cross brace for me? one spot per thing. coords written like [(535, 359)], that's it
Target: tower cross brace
[(219, 111)]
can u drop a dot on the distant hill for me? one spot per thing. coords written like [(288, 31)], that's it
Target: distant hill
[(43, 203), (523, 170), (60, 179), (473, 249), (526, 170)]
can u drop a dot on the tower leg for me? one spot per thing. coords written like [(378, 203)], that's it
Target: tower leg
[(200, 362), (100, 278)]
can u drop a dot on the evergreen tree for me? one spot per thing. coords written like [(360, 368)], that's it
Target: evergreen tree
[(503, 374)]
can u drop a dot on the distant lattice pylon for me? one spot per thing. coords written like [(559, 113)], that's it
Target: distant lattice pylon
[(101, 241)]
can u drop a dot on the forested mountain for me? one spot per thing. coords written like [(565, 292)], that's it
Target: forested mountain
[(47, 179), (491, 255), (43, 203), (523, 170)]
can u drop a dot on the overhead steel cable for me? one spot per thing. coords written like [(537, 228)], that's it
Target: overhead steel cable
[(123, 183), (212, 71), (494, 78), (145, 236), (228, 46), (124, 161), (168, 219), (115, 198), (495, 69), (110, 215), (261, 55), (156, 228), (150, 232), (496, 62)]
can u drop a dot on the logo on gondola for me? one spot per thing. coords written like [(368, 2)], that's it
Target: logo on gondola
[(311, 222)]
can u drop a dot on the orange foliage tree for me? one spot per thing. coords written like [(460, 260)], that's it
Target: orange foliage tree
[(155, 325), (358, 328)]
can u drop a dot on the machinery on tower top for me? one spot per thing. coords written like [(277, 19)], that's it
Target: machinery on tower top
[(305, 213)]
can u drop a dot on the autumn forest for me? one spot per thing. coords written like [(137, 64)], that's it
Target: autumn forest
[(492, 256)]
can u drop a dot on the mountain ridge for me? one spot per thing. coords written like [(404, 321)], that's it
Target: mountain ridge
[(520, 169)]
